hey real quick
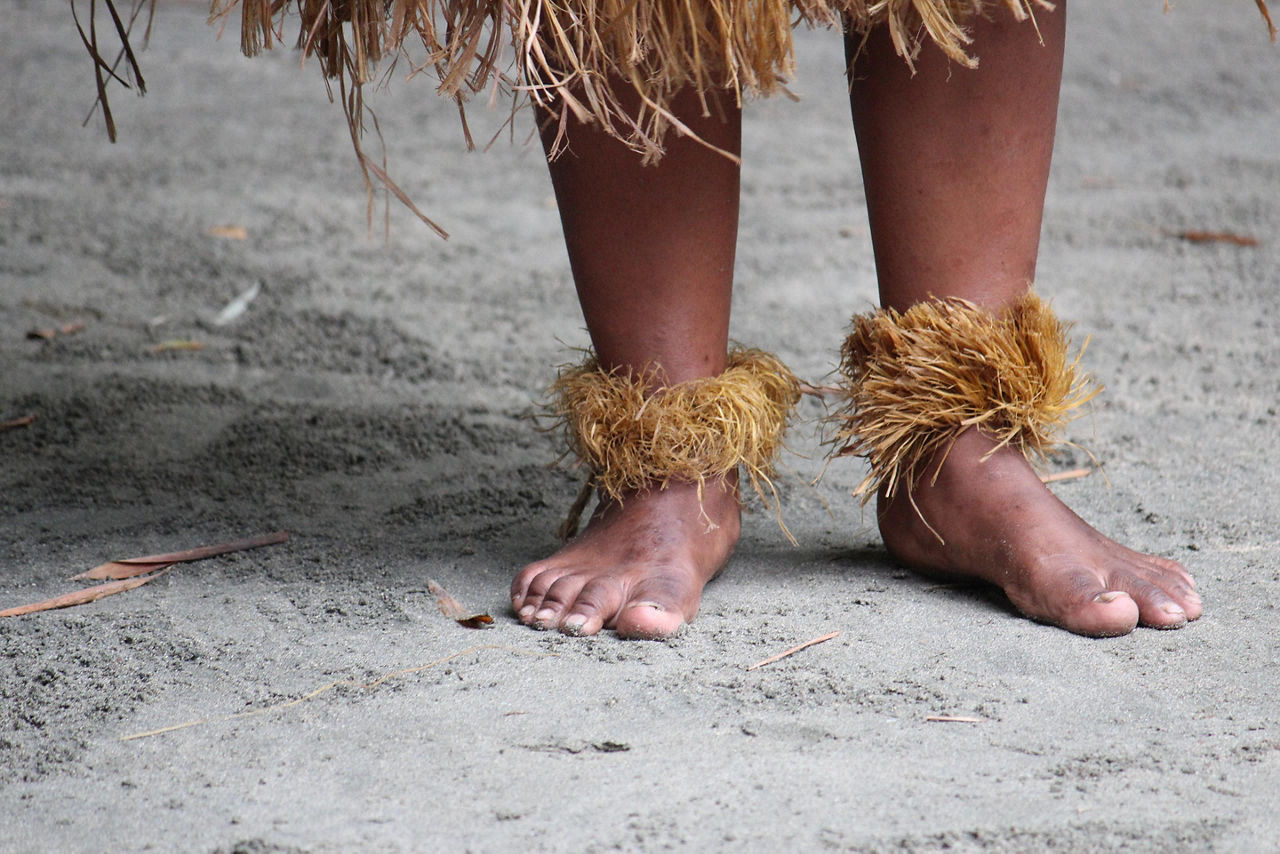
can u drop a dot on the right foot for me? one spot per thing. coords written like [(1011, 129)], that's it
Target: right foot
[(639, 566)]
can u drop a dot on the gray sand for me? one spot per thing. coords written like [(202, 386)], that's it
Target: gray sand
[(374, 402)]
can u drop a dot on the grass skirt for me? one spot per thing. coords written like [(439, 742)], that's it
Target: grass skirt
[(572, 58)]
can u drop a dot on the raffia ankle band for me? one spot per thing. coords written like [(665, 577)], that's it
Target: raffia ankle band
[(916, 380), (634, 440)]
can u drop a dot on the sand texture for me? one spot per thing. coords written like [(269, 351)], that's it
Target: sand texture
[(374, 400)]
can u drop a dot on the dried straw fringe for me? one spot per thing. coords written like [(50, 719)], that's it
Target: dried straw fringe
[(634, 440), (569, 55), (919, 379)]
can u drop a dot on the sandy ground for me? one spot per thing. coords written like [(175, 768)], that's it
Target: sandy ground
[(374, 402)]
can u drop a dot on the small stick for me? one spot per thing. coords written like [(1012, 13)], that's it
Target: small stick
[(48, 334), (82, 597), (181, 344), (18, 422), (1072, 474), (1271, 26), (229, 232), (1200, 236), (771, 659), (955, 719), (569, 527), (821, 390)]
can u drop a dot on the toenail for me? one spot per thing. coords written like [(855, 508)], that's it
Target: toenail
[(526, 612), (573, 624), (1174, 611), (1109, 596), (546, 615)]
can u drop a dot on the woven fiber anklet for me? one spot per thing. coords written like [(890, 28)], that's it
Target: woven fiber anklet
[(918, 379), (634, 439)]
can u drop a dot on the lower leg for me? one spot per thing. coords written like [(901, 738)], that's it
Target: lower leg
[(955, 163), (652, 251)]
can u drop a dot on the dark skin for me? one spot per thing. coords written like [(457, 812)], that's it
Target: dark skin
[(955, 163), (652, 251)]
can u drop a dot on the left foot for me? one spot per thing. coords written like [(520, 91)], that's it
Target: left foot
[(1000, 524)]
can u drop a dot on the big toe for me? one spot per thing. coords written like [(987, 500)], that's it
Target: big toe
[(648, 621), (1108, 614), (657, 608), (1079, 602)]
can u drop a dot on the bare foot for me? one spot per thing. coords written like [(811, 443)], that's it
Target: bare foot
[(639, 567), (1002, 525)]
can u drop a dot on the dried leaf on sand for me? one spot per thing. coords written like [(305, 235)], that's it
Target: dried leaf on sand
[(135, 566), (453, 609), (120, 569), (129, 573), (82, 597)]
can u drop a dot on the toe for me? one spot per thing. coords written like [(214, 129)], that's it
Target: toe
[(1109, 613), (1074, 597), (530, 601), (557, 600), (1173, 578), (1167, 567), (580, 625), (648, 621), (524, 580), (1156, 608), (657, 609), (1190, 601), (595, 604)]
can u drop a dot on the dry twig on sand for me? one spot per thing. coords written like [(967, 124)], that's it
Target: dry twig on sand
[(771, 659), (172, 345), (229, 232), (1197, 236), (14, 423), (82, 597), (53, 332), (1070, 474)]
